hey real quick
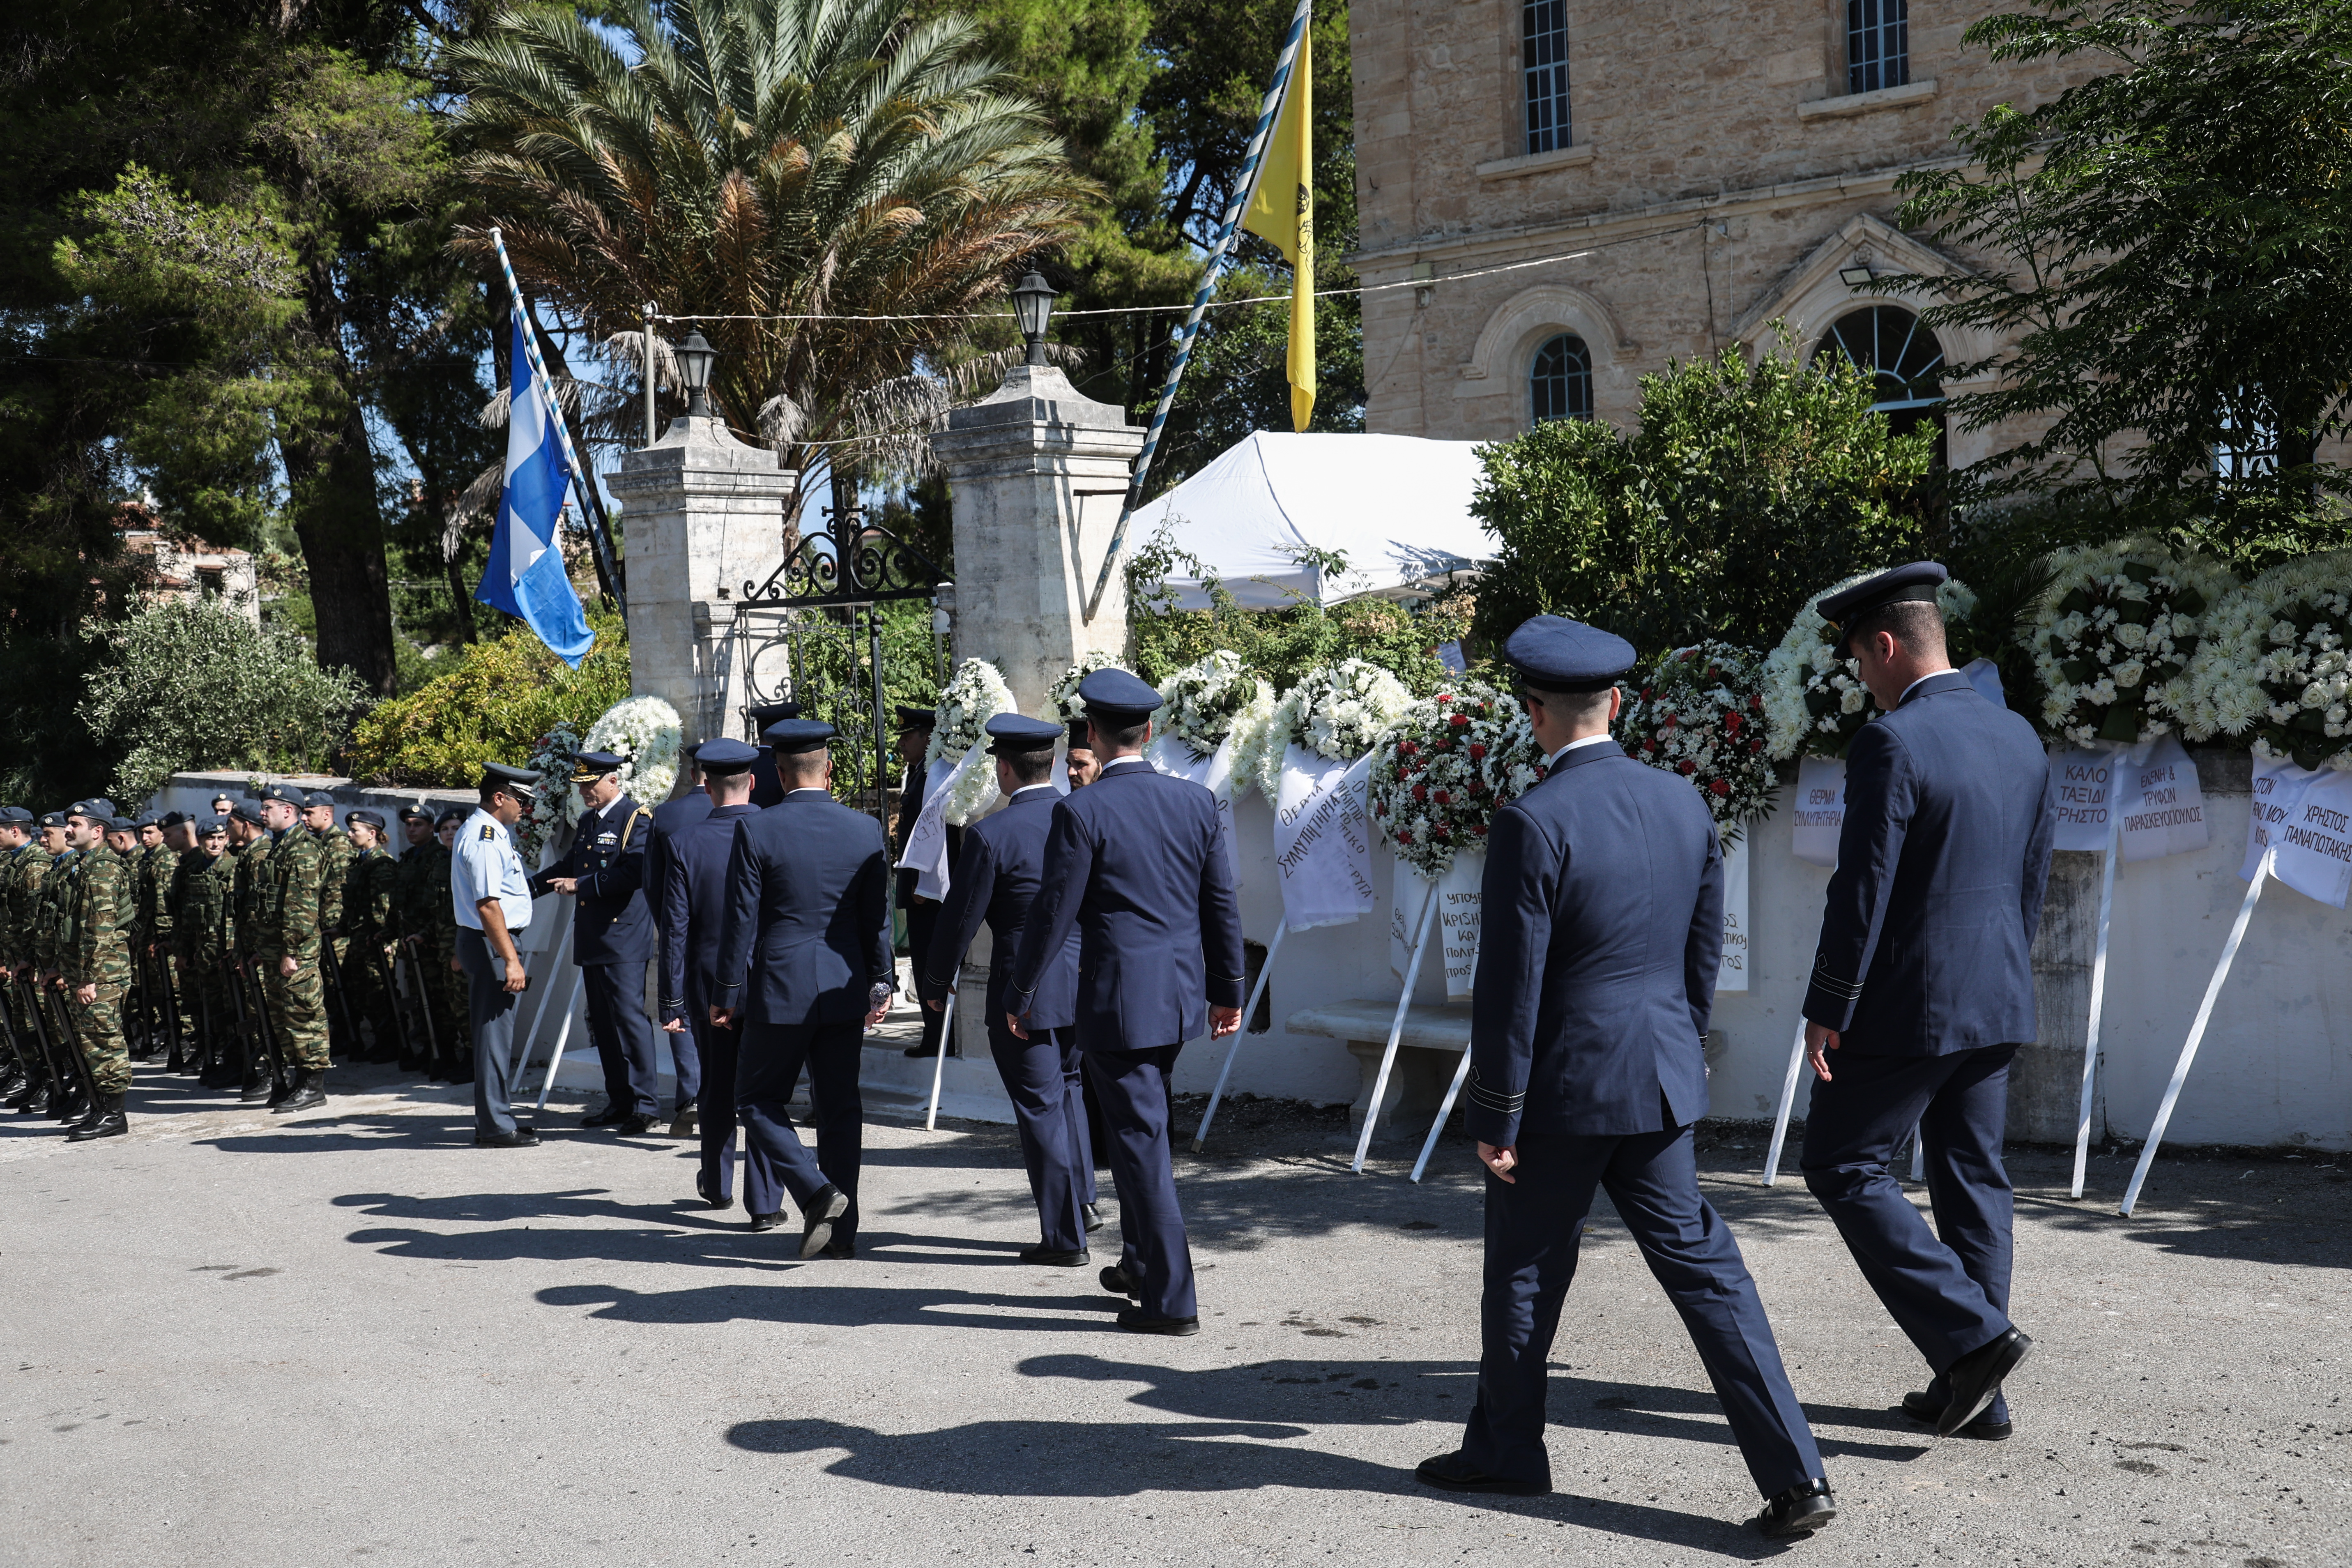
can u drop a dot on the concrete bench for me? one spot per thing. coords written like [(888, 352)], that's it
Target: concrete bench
[(1428, 1051)]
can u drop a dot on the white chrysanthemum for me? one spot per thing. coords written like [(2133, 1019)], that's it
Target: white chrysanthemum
[(1804, 664), (2257, 671), (1062, 698), (646, 732), (2086, 651), (973, 695), (1309, 714)]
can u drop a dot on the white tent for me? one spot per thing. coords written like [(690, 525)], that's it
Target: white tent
[(1398, 506)]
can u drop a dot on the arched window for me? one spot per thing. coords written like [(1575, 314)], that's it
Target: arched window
[(1543, 68), (1561, 379), (1902, 355)]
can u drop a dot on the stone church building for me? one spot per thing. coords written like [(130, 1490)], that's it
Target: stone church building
[(1638, 181)]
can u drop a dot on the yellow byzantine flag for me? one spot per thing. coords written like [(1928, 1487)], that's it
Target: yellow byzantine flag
[(1282, 211)]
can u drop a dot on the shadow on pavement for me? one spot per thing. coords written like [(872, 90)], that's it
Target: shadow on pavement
[(845, 1305)]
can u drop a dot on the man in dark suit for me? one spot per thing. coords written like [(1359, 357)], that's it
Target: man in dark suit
[(670, 818), (804, 967), (1134, 864), (1923, 984), (766, 788), (612, 938), (996, 879), (1604, 931), (915, 727), (693, 907)]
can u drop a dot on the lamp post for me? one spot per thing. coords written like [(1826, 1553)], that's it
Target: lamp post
[(694, 359), (1033, 302)]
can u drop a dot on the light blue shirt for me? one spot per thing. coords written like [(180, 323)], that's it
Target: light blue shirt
[(483, 865)]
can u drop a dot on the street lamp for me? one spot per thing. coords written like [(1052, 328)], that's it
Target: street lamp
[(694, 359), (1033, 302), (1857, 275)]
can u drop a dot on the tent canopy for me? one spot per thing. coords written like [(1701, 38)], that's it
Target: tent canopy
[(1398, 507)]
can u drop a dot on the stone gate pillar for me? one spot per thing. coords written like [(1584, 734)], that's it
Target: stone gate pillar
[(1037, 472), (703, 513)]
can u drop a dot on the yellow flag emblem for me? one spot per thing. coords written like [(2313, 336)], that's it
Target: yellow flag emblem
[(1282, 213)]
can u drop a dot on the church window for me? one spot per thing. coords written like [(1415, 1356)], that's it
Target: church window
[(1543, 60), (1561, 381), (1877, 44)]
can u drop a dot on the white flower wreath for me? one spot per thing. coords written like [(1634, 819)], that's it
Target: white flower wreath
[(646, 734), (1339, 711), (555, 804), (974, 694), (2113, 635), (1211, 699), (1444, 768), (1062, 697), (1700, 713), (2273, 664), (1814, 701)]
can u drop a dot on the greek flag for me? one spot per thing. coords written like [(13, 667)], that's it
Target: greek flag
[(525, 574)]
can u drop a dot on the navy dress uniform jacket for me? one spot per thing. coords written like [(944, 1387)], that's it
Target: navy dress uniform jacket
[(612, 923), (1596, 967), (670, 818), (996, 879), (694, 909), (1159, 928), (1926, 940), (806, 931)]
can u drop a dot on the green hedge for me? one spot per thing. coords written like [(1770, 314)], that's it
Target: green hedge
[(502, 696)]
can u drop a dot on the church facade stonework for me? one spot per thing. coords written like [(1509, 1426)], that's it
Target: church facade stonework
[(1635, 184)]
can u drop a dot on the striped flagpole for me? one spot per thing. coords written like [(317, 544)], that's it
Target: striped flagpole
[(580, 475), (1244, 188)]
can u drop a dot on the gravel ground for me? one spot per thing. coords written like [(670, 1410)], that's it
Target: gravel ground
[(353, 1338)]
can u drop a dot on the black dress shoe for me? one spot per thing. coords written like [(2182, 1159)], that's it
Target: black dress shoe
[(1453, 1473), (1799, 1511), (1054, 1258), (33, 1101), (706, 1187), (1135, 1320), (521, 1138), (633, 1126), (1120, 1282), (1094, 1217), (840, 1251), (1975, 1379), (767, 1221), (827, 1204), (611, 1116), (1919, 1407)]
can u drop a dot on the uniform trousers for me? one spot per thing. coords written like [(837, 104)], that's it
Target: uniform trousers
[(623, 1037), (1947, 1289), (922, 924), (686, 1060), (98, 1032), (768, 1064), (298, 1003), (1534, 1227), (1131, 1086), (491, 1009), (1041, 1077), (715, 1120)]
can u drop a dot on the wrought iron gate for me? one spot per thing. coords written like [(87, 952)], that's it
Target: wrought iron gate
[(812, 634)]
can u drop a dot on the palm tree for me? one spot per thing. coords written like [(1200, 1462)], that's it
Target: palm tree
[(810, 158)]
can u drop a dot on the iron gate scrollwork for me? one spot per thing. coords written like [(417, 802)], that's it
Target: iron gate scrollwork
[(812, 634)]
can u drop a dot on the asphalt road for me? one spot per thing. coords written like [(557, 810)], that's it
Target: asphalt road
[(355, 1339)]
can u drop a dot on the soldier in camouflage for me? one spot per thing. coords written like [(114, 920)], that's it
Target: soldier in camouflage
[(28, 1068), (412, 927), (287, 950), (95, 957), (29, 869), (51, 934), (318, 821), (200, 898), (367, 914), (251, 844), (150, 887)]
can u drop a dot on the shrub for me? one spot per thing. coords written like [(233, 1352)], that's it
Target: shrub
[(493, 707), (188, 683)]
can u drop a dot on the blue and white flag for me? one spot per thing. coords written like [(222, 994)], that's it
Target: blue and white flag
[(525, 576)]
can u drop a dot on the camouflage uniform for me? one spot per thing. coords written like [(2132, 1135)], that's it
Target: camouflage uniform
[(95, 951), (336, 851), (244, 932), (286, 913), (200, 899), (18, 884), (367, 920), (152, 895)]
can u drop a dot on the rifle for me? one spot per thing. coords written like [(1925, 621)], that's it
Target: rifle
[(40, 1058), (331, 968), (72, 1051), (176, 1061), (272, 1055), (137, 1008), (386, 978), (423, 1009)]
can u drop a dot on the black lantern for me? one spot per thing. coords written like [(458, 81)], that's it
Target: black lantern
[(693, 360), (1033, 302)]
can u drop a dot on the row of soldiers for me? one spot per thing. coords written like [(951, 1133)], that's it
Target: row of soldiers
[(248, 947)]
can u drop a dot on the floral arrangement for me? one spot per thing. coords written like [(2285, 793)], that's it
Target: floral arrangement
[(1814, 701), (2113, 635), (1445, 767), (2274, 663), (1062, 697), (974, 694), (1701, 714), (1214, 698), (552, 809), (1339, 711), (646, 733)]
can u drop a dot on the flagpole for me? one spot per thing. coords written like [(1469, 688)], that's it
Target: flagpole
[(580, 475), (1243, 189)]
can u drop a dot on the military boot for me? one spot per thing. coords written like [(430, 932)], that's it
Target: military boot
[(106, 1121), (71, 1105), (308, 1093), (260, 1084), (33, 1099), (280, 1086)]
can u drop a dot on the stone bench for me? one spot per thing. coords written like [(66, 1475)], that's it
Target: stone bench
[(1428, 1051)]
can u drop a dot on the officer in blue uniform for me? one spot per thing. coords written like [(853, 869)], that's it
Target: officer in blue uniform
[(805, 968), (995, 880), (1603, 933), (670, 818), (612, 939), (693, 905), (1923, 987), (1135, 865), (766, 789)]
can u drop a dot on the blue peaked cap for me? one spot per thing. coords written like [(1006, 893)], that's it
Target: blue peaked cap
[(1115, 694), (791, 736), (725, 755), (1016, 733), (1919, 580), (1552, 653)]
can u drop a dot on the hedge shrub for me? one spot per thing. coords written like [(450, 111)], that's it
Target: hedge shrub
[(502, 696)]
